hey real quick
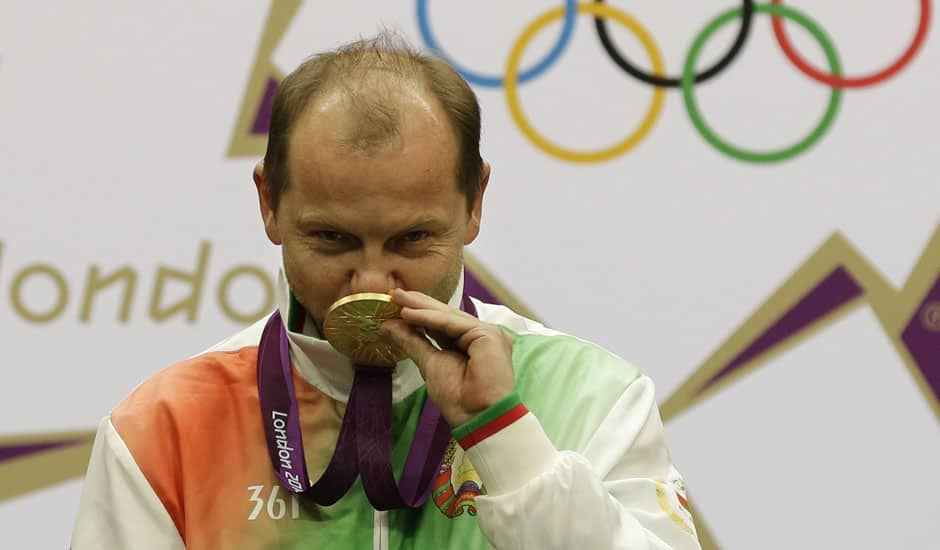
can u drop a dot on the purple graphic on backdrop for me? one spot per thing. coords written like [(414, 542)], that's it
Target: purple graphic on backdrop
[(922, 338), (263, 116), (473, 287), (919, 333), (835, 290), (10, 452)]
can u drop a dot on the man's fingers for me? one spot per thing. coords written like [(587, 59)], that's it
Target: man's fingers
[(443, 341), (413, 299), (450, 327), (414, 344), (418, 300), (453, 324)]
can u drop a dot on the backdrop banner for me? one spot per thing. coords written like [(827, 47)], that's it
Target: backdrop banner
[(739, 198)]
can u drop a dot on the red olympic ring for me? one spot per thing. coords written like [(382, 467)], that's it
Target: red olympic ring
[(860, 81)]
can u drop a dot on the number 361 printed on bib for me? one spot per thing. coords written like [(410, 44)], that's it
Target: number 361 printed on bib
[(266, 500)]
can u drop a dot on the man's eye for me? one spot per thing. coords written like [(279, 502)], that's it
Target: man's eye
[(330, 237), (414, 237)]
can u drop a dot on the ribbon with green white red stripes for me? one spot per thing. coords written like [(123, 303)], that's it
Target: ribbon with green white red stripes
[(490, 421)]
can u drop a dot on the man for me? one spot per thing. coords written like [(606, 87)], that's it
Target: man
[(373, 182)]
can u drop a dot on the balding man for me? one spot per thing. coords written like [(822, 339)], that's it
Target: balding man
[(483, 428)]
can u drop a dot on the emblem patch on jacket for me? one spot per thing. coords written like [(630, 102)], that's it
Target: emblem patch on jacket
[(457, 484), (673, 502)]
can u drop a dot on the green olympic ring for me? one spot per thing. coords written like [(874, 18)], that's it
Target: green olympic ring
[(688, 80)]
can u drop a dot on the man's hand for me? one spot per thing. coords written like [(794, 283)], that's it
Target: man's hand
[(474, 370)]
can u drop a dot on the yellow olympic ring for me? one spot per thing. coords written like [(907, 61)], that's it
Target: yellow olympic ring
[(512, 81)]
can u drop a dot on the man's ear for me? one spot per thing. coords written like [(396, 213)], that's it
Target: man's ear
[(476, 209), (264, 201)]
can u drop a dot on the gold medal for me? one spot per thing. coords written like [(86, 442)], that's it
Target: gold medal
[(352, 327)]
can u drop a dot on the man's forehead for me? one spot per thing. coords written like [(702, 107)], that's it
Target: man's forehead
[(406, 172), (342, 139), (347, 114)]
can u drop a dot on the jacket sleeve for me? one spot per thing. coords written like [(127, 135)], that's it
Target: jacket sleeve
[(118, 508), (620, 491)]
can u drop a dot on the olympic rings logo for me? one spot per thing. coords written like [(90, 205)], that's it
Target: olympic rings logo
[(686, 81)]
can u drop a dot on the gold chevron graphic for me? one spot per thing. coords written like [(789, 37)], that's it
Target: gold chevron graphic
[(893, 308), (244, 143), (38, 470)]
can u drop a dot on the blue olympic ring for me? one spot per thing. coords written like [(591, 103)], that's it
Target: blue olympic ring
[(571, 13)]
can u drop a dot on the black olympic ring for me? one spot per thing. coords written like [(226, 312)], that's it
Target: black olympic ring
[(600, 23)]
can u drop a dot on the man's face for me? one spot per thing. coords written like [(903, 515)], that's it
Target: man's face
[(369, 221)]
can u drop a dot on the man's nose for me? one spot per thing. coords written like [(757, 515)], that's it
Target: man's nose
[(375, 275)]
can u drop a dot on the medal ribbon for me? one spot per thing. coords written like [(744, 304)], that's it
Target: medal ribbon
[(364, 446)]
